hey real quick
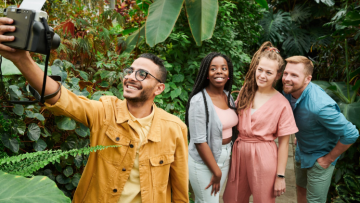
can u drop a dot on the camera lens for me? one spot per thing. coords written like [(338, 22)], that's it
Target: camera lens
[(55, 41)]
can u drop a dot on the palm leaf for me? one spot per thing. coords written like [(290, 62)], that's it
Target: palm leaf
[(274, 26), (297, 42)]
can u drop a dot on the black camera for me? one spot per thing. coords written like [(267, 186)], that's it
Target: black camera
[(31, 32)]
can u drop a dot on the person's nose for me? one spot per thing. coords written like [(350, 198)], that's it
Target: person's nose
[(262, 75), (286, 77)]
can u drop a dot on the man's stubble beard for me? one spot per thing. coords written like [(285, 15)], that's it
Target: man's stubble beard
[(144, 96), (294, 90)]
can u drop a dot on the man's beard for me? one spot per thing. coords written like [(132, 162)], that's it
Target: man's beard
[(145, 94), (293, 89), (140, 99)]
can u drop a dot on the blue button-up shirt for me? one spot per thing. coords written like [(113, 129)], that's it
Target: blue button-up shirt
[(321, 125)]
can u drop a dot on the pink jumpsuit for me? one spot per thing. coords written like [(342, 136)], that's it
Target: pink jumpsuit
[(254, 156)]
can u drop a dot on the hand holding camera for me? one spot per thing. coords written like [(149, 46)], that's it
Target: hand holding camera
[(27, 30), (6, 51)]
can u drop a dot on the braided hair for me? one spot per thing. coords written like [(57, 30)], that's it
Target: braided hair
[(247, 92), (201, 82)]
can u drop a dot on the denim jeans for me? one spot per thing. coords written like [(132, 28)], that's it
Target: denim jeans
[(200, 176)]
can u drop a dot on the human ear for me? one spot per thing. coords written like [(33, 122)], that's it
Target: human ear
[(159, 88), (308, 79)]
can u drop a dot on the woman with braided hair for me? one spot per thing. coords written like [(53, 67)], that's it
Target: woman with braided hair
[(258, 165), (210, 116)]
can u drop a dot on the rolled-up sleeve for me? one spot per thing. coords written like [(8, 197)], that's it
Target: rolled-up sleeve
[(197, 121), (333, 120)]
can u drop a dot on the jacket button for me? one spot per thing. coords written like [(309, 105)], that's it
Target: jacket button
[(117, 138), (114, 190), (131, 146), (124, 169), (161, 162)]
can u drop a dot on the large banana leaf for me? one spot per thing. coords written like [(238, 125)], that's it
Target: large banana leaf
[(351, 112), (8, 68), (324, 85), (202, 18), (338, 91), (161, 20), (297, 42), (15, 189), (134, 39), (274, 26)]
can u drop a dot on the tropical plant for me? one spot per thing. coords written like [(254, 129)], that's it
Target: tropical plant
[(341, 60), (35, 189), (27, 164), (201, 16), (39, 188), (295, 26)]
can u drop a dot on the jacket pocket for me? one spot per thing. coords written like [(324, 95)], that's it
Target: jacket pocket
[(160, 169), (114, 136)]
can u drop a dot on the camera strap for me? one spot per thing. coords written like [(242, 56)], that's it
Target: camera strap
[(39, 97)]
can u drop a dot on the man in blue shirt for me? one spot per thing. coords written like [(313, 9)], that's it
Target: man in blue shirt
[(324, 133)]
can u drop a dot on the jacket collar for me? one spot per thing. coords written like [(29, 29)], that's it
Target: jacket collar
[(122, 117)]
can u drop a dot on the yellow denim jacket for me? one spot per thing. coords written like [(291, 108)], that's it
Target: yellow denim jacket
[(163, 159)]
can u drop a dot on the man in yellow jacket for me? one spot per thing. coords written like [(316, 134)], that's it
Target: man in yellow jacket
[(151, 164)]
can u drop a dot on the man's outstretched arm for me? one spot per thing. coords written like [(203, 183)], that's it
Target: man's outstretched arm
[(22, 59)]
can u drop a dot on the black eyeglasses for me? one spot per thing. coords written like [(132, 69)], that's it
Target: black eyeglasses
[(140, 74)]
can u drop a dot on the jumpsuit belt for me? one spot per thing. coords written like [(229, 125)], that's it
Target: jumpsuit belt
[(236, 158)]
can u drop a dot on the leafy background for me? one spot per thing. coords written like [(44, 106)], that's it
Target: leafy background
[(98, 42)]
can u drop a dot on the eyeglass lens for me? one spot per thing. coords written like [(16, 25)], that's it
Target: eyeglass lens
[(139, 74)]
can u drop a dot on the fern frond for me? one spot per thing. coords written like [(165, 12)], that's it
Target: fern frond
[(27, 164)]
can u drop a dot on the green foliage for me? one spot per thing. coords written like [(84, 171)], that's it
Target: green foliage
[(202, 18), (27, 164), (295, 26), (263, 3), (162, 17), (35, 189), (274, 24), (345, 183)]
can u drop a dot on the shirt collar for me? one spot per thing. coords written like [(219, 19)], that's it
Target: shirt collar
[(122, 116), (303, 94), (146, 121)]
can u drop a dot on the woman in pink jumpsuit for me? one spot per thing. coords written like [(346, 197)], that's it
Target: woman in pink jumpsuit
[(264, 115)]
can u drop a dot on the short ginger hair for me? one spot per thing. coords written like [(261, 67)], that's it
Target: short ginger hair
[(308, 65)]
